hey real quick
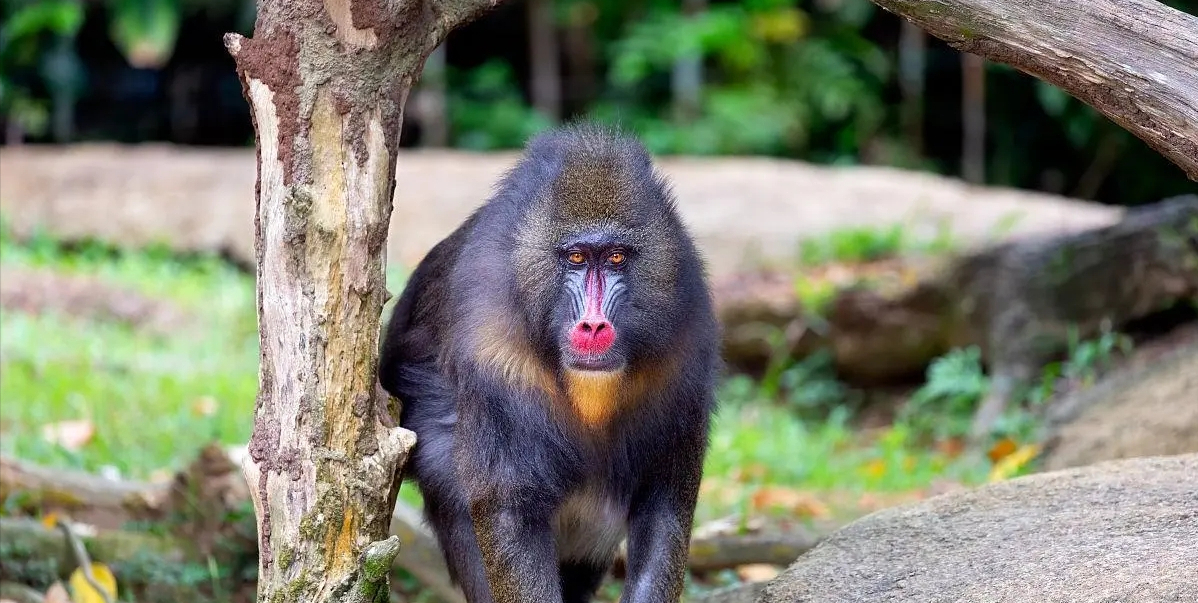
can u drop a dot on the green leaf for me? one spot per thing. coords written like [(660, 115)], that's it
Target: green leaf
[(145, 30), (63, 17), (1053, 99)]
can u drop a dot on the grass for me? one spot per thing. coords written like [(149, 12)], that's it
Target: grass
[(871, 243), (154, 400)]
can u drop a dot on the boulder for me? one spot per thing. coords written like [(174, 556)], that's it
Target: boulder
[(1117, 531), (1147, 408)]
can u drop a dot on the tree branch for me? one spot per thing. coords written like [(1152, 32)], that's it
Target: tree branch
[(456, 13), (1135, 61)]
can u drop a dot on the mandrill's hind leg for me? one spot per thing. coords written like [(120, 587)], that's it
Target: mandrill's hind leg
[(455, 534)]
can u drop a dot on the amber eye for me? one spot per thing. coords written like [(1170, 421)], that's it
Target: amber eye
[(616, 258), (576, 258)]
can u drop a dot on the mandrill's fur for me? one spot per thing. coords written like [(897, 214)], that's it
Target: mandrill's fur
[(536, 459)]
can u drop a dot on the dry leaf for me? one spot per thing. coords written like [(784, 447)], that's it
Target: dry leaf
[(751, 472), (875, 468), (57, 593), (951, 447), (1001, 449), (1013, 462), (71, 435), (757, 572), (83, 592), (161, 476), (204, 406), (800, 503)]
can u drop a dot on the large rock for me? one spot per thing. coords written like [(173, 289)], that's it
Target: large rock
[(743, 210), (1147, 408), (1122, 531)]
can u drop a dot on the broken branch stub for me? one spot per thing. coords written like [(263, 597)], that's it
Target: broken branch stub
[(1135, 61), (326, 82)]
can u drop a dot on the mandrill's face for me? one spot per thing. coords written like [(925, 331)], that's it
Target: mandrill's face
[(594, 296)]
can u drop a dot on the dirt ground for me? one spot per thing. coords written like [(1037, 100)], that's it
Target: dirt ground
[(38, 291), (744, 211)]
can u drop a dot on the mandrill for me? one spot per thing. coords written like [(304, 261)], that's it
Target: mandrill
[(557, 357)]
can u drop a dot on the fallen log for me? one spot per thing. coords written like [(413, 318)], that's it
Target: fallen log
[(722, 551), (738, 593), (35, 554), (87, 498), (196, 504)]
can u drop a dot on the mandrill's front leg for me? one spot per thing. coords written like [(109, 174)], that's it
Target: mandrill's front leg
[(510, 486), (659, 531), (518, 551)]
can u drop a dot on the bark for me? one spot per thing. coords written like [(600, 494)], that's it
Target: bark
[(326, 82), (1135, 61)]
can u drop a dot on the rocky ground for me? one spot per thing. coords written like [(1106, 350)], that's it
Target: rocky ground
[(744, 211), (1119, 531)]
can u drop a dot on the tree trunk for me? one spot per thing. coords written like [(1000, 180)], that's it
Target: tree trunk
[(326, 83), (912, 69), (434, 131), (686, 78), (973, 118), (579, 40), (543, 59), (1135, 61)]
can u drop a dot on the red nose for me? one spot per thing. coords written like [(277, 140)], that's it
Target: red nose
[(592, 336)]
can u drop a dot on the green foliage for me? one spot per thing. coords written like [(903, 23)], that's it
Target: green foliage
[(813, 80), (145, 30), (809, 387), (36, 48), (762, 444), (861, 244), (779, 77), (1085, 361), (816, 295), (870, 243), (487, 111), (944, 405)]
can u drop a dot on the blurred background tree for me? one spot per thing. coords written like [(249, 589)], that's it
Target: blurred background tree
[(827, 81)]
